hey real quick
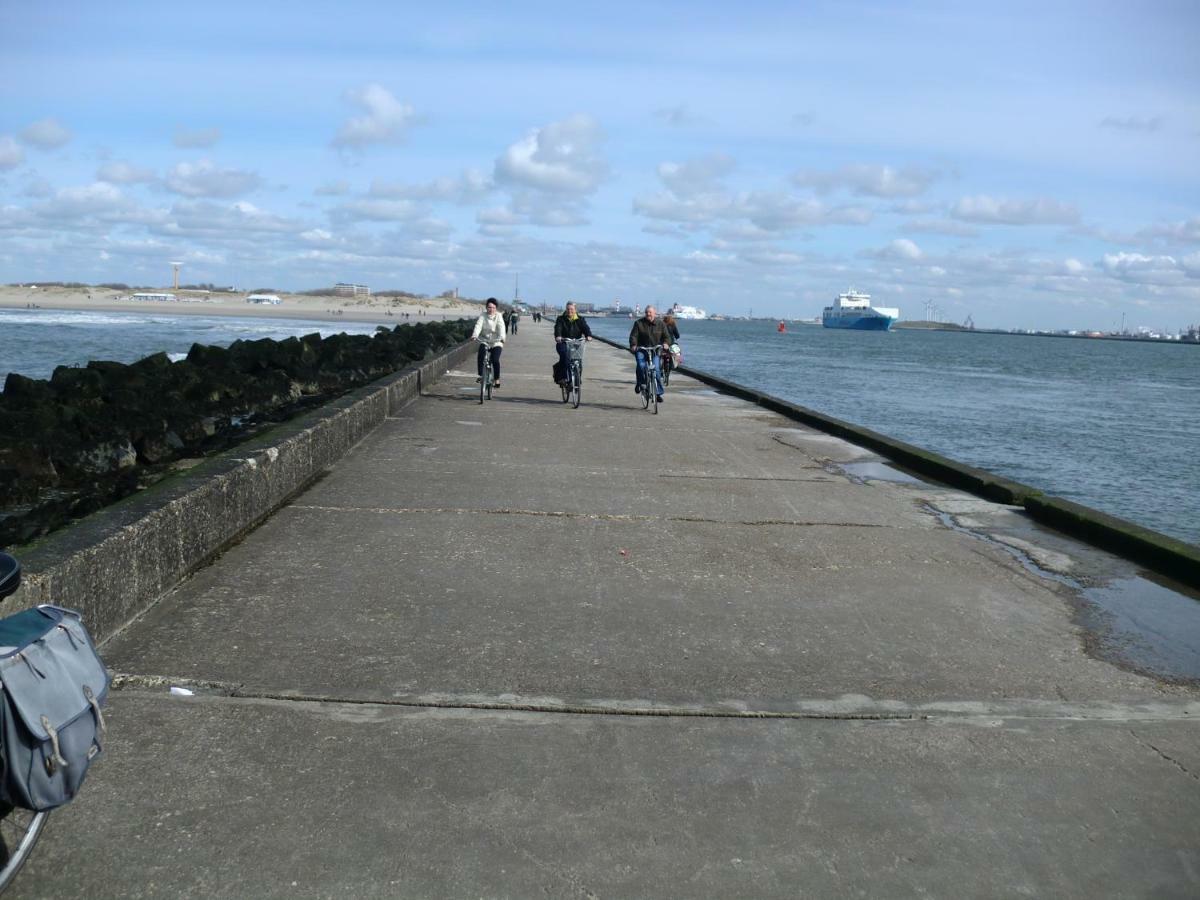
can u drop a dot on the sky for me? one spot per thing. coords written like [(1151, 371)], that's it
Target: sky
[(1026, 164)]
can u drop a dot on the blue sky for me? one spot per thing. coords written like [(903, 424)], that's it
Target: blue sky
[(1028, 164)]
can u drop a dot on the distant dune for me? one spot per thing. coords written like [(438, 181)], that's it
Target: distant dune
[(384, 309)]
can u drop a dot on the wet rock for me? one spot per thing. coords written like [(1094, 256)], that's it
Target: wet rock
[(89, 436)]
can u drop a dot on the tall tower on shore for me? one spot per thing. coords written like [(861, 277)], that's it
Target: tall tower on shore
[(175, 266)]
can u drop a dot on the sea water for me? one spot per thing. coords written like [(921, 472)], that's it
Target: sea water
[(1110, 424), (33, 342)]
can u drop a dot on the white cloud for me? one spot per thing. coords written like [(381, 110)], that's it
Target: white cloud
[(376, 210), (1039, 211), (1074, 266), (332, 189), (11, 154), (559, 158), (1148, 124), (469, 187), (46, 134), (770, 257), (204, 179), (1139, 268), (692, 209), (497, 215), (941, 226), (775, 211), (903, 248), (203, 137), (96, 197), (232, 222), (1187, 232), (697, 175), (869, 180), (125, 173), (385, 120)]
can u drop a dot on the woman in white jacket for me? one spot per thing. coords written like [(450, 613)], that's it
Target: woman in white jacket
[(490, 332)]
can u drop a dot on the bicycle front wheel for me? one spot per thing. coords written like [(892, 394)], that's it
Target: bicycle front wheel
[(575, 386), (483, 386), (19, 831)]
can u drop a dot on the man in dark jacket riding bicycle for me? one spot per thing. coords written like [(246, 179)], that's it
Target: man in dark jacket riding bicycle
[(570, 325), (647, 335)]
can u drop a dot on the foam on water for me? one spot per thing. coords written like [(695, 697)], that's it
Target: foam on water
[(34, 342)]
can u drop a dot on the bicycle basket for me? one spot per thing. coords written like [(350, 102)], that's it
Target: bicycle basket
[(576, 352)]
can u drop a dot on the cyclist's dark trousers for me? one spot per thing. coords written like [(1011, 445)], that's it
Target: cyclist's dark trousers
[(495, 361), (564, 358)]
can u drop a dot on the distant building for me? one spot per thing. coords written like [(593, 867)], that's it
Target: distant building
[(146, 295), (343, 289), (266, 299)]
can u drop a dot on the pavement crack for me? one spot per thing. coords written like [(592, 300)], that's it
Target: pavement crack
[(1182, 768), (563, 514), (853, 708)]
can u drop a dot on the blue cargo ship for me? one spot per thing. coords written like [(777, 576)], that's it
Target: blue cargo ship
[(854, 310)]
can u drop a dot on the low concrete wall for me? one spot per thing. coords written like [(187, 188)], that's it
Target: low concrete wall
[(1158, 552), (115, 563)]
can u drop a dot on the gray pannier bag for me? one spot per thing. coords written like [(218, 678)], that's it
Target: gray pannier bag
[(54, 684)]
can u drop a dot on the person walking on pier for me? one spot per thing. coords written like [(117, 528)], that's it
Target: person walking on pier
[(490, 332), (648, 333), (570, 325)]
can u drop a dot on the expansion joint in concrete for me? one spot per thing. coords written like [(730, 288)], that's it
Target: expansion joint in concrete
[(561, 514), (851, 708)]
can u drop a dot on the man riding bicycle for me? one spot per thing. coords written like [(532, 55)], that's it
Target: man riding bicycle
[(568, 326), (647, 335)]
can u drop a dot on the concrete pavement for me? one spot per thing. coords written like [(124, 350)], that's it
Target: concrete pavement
[(518, 649)]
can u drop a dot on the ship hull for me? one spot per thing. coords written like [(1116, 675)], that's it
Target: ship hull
[(859, 323)]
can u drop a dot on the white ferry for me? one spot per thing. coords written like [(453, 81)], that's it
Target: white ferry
[(688, 312), (854, 310)]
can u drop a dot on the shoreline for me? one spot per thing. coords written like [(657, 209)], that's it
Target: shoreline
[(379, 311)]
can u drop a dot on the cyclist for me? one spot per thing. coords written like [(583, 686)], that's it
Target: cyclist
[(671, 359), (648, 333), (490, 332), (569, 325)]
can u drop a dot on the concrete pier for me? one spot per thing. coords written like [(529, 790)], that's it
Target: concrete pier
[(519, 650)]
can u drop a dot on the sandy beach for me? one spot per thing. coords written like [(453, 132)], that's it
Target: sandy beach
[(388, 310)]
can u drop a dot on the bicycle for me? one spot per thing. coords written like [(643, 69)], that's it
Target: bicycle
[(19, 828), (668, 363), (651, 387), (485, 381), (573, 383)]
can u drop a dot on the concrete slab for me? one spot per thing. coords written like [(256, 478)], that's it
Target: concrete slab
[(213, 797), (517, 649)]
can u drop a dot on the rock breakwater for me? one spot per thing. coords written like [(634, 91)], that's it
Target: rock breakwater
[(89, 436)]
